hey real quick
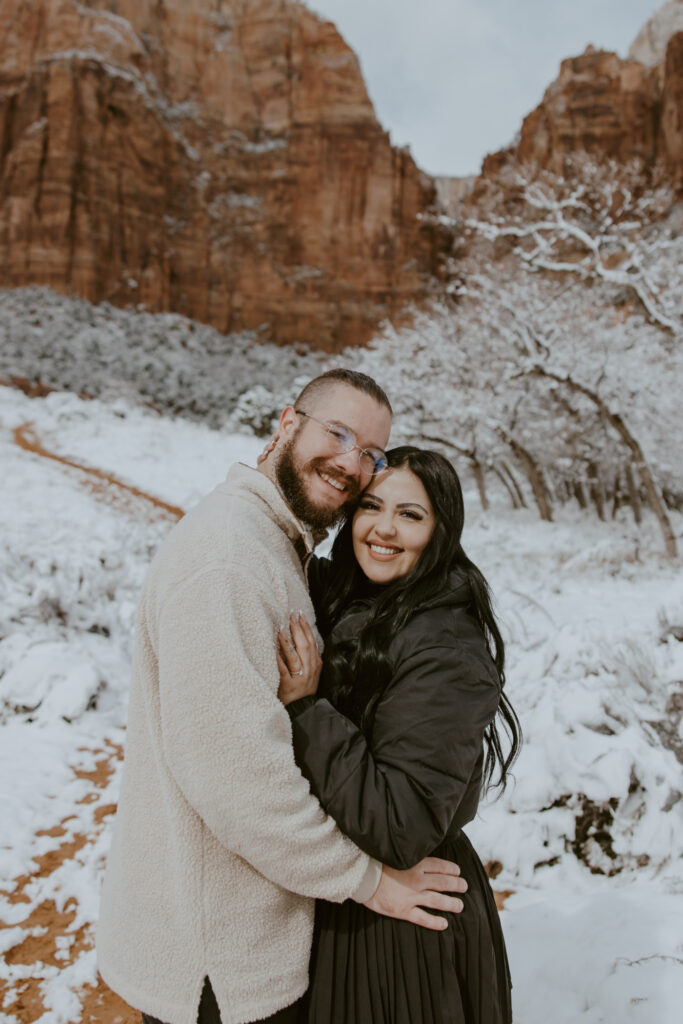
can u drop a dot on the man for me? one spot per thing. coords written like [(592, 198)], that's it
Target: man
[(219, 848)]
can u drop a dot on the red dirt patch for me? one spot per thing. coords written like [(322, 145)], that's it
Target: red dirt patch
[(102, 1006), (55, 945), (493, 868), (31, 388)]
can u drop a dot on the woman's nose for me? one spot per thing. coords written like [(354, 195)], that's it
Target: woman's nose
[(385, 527)]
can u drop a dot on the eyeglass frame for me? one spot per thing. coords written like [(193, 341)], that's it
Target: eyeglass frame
[(380, 464)]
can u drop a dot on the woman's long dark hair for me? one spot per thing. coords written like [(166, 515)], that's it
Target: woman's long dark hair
[(365, 655)]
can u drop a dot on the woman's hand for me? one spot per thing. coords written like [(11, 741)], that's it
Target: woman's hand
[(298, 660)]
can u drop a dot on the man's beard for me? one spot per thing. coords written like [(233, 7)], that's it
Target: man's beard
[(291, 480)]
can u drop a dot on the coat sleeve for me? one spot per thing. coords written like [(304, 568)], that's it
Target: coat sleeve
[(318, 574), (396, 793), (227, 739)]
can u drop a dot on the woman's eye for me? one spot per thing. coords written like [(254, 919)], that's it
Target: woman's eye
[(413, 515), (368, 505)]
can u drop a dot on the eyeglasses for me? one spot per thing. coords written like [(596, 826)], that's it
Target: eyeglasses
[(342, 439)]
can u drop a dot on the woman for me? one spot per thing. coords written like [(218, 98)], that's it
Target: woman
[(398, 742)]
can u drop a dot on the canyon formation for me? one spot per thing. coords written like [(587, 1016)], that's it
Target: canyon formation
[(222, 159), (609, 108), (218, 159)]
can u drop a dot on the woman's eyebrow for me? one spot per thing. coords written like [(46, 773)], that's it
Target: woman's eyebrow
[(412, 504), (367, 494)]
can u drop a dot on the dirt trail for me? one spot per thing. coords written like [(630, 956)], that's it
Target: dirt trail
[(103, 486)]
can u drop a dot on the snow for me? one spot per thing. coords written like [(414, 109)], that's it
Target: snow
[(619, 974), (590, 834)]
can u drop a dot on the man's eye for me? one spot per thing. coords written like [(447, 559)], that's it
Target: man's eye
[(338, 435)]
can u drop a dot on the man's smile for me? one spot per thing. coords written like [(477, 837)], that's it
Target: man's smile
[(332, 481)]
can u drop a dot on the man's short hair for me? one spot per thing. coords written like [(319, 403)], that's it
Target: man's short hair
[(354, 379)]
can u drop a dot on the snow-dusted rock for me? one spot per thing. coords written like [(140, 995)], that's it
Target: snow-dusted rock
[(649, 46)]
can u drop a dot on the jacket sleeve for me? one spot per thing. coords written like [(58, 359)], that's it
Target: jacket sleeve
[(395, 794), (227, 739), (318, 574)]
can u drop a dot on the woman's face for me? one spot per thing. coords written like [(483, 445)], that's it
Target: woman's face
[(392, 525)]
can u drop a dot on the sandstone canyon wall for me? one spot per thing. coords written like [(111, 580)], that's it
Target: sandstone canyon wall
[(609, 108), (217, 158)]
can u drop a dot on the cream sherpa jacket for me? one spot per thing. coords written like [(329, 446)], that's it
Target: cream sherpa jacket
[(219, 848)]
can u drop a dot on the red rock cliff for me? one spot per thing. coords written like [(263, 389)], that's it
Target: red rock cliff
[(608, 108), (218, 158)]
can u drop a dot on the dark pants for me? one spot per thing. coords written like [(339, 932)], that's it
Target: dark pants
[(208, 1011)]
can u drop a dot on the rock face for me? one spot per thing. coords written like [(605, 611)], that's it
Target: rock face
[(610, 109), (599, 104), (671, 127), (217, 158), (649, 46), (452, 191)]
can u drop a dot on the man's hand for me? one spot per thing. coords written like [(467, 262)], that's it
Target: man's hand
[(404, 894)]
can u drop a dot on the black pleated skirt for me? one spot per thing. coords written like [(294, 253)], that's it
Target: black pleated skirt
[(369, 969)]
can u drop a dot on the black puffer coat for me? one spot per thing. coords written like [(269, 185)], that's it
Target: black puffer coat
[(415, 779)]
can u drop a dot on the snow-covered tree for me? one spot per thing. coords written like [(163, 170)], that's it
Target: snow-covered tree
[(550, 370)]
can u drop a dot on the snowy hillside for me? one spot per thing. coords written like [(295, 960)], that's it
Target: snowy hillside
[(589, 839)]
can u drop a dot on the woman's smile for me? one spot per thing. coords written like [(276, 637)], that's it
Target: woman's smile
[(382, 552)]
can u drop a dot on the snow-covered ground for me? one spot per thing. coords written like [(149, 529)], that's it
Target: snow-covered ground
[(590, 837)]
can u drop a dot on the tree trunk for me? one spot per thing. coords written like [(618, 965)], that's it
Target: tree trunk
[(616, 494), (580, 494), (633, 493), (512, 491), (535, 475), (614, 419), (595, 487), (478, 472), (514, 483), (659, 508)]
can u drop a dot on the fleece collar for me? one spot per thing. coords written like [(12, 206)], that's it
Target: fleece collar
[(243, 479)]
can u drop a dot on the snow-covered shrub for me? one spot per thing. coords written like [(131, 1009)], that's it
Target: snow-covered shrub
[(256, 410), (164, 359)]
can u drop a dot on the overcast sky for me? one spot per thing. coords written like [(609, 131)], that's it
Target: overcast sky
[(453, 79)]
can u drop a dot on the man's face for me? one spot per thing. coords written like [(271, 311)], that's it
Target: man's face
[(319, 483)]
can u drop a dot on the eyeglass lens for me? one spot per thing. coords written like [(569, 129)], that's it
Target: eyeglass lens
[(344, 440)]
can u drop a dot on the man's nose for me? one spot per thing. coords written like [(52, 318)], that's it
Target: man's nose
[(348, 462)]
